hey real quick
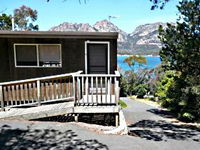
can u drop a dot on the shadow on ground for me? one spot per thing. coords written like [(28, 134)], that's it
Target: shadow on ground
[(162, 131), (162, 113), (35, 139), (99, 119)]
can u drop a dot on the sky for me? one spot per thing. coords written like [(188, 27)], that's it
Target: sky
[(130, 13)]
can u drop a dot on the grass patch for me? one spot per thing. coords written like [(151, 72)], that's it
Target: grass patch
[(122, 104)]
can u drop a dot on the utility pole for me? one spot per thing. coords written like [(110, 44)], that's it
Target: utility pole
[(13, 23)]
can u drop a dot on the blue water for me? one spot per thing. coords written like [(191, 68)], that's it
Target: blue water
[(152, 62)]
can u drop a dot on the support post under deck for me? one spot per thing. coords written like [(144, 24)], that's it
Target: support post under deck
[(117, 120), (76, 117)]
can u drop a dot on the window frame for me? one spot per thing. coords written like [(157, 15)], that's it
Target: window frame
[(37, 53)]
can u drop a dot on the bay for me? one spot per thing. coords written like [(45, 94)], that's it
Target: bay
[(152, 62)]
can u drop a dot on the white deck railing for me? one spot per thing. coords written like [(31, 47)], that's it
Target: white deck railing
[(37, 90), (90, 89), (96, 89)]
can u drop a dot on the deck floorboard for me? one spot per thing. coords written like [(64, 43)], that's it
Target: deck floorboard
[(56, 109)]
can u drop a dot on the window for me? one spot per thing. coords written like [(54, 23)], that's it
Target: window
[(37, 55), (26, 55)]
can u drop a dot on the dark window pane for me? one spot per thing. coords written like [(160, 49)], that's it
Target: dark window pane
[(26, 55), (49, 55)]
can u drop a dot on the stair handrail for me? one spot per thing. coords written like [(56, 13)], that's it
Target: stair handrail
[(40, 78)]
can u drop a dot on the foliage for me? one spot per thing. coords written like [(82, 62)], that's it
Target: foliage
[(158, 4), (181, 53), (163, 88), (141, 90), (122, 104), (5, 22), (24, 18), (134, 83), (131, 60)]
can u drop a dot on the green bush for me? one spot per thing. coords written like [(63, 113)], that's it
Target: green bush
[(141, 90), (122, 104)]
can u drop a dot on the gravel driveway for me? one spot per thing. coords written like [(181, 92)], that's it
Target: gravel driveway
[(148, 130)]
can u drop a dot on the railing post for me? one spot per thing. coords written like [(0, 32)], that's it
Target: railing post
[(1, 98), (117, 90), (38, 92), (74, 90)]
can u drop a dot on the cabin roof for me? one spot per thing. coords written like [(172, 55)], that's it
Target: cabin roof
[(58, 34)]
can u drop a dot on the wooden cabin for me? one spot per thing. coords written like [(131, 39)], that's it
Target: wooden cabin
[(43, 67), (25, 55)]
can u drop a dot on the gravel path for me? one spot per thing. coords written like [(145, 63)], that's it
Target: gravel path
[(149, 130)]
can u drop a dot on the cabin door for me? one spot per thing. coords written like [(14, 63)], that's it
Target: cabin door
[(97, 54)]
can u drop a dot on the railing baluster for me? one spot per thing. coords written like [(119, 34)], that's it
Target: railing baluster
[(74, 90), (5, 94), (46, 90), (86, 90), (13, 95), (41, 91), (92, 90), (30, 93), (101, 90), (34, 92), (79, 89), (71, 90), (60, 88), (17, 94), (26, 93), (66, 88), (117, 91), (22, 93), (38, 92), (110, 82), (115, 86), (54, 89), (106, 89), (63, 89), (57, 89), (50, 89), (1, 98), (10, 95), (97, 90), (82, 86)]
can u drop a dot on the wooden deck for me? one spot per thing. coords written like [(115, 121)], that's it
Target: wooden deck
[(79, 93), (50, 110)]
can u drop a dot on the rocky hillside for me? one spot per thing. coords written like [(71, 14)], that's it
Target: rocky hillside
[(143, 40)]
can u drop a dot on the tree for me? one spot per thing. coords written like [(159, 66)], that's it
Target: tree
[(131, 60), (158, 4), (24, 18), (134, 82), (181, 53), (5, 22)]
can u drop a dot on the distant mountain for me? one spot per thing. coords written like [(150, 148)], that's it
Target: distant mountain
[(107, 26), (85, 27), (143, 40)]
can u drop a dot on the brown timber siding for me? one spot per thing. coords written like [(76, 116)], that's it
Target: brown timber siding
[(73, 57)]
